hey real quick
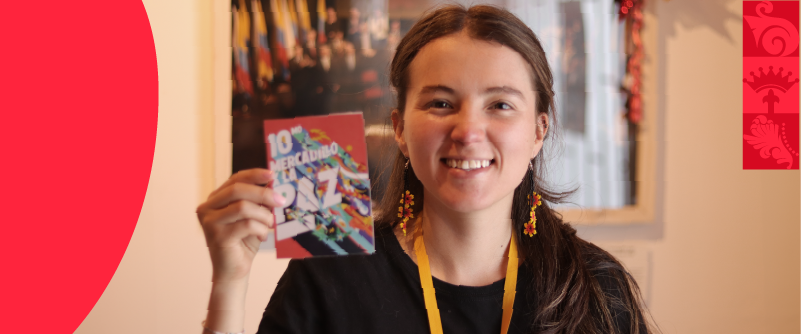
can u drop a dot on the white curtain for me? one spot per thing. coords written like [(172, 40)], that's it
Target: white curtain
[(596, 160)]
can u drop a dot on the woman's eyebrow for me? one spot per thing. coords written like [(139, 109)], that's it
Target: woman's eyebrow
[(437, 88), (491, 90), (505, 90)]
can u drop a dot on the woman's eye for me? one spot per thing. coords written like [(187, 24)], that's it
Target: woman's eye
[(501, 105), (440, 105)]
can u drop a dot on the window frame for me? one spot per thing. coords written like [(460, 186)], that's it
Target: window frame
[(648, 152)]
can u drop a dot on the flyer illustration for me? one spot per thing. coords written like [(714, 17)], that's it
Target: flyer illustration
[(321, 166)]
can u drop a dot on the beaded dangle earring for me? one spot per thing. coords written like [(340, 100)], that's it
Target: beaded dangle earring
[(534, 200), (405, 211)]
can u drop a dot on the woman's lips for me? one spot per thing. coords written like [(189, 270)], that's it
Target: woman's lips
[(467, 164)]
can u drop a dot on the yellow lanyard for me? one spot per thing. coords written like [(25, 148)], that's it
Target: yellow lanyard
[(434, 321)]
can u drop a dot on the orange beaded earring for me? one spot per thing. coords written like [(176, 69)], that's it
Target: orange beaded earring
[(535, 200), (405, 211)]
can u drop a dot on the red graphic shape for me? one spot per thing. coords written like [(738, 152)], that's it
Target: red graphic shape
[(79, 101), (770, 82), (770, 141), (770, 29), (770, 85), (289, 248)]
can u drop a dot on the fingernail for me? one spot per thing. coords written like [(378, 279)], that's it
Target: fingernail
[(280, 200), (268, 173)]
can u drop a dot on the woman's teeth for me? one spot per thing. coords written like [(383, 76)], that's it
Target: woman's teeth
[(467, 164)]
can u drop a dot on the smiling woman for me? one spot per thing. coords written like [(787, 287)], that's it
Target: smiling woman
[(473, 246)]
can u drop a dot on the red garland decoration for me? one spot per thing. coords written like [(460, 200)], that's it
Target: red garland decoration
[(631, 12)]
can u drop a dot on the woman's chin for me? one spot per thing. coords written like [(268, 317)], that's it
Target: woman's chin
[(465, 202)]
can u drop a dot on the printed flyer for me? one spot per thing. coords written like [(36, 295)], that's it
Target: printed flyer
[(321, 166)]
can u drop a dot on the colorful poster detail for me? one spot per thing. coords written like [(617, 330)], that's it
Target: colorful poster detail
[(321, 166), (770, 85)]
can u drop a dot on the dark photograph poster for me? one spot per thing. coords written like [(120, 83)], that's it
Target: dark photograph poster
[(294, 58)]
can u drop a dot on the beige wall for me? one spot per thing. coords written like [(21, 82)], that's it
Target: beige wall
[(727, 260)]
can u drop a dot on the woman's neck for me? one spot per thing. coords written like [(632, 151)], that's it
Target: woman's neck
[(465, 248)]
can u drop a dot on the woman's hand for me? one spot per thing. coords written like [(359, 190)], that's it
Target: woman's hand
[(236, 219)]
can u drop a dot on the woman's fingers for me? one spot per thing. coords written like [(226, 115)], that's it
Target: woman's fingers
[(244, 228), (235, 218), (252, 176), (239, 210), (242, 191), (221, 225)]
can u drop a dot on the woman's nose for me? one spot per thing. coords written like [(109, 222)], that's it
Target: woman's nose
[(470, 125)]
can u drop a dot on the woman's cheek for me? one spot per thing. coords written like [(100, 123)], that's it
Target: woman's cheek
[(413, 140), (422, 133), (519, 138)]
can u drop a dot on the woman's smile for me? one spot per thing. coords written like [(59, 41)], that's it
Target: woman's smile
[(465, 168), (466, 164)]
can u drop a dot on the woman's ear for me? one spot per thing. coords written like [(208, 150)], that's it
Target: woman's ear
[(540, 132), (397, 125)]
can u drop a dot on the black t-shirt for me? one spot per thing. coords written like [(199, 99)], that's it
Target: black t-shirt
[(381, 293)]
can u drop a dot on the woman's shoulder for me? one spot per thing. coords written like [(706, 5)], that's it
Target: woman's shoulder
[(332, 294), (350, 267), (340, 276)]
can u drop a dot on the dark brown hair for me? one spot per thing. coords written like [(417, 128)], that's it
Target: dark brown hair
[(566, 288)]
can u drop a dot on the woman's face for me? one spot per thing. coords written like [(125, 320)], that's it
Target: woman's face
[(470, 126)]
